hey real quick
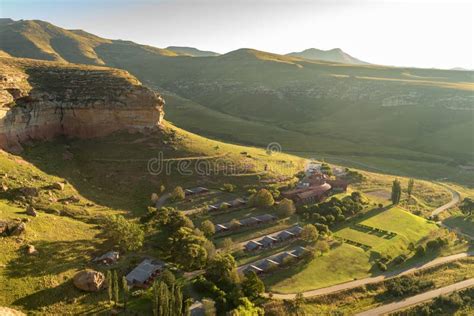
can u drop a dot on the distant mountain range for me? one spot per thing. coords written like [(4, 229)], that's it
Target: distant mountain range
[(341, 107), (191, 51), (335, 55)]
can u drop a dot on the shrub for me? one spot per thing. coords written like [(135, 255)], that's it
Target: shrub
[(228, 187), (286, 208), (178, 194)]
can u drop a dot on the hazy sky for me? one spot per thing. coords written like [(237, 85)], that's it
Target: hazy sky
[(417, 33)]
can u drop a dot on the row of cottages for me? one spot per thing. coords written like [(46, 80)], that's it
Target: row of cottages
[(272, 239), (195, 191), (234, 204), (273, 262), (245, 222), (145, 273)]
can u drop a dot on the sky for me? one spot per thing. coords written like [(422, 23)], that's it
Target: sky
[(417, 33)]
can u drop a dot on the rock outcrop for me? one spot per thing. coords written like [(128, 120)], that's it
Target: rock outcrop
[(41, 100), (89, 280)]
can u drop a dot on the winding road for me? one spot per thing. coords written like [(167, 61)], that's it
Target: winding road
[(454, 200), (379, 278), (414, 300)]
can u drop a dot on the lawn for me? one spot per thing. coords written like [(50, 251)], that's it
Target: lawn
[(342, 264), (348, 262)]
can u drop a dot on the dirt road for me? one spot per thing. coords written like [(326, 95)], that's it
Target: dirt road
[(385, 309)]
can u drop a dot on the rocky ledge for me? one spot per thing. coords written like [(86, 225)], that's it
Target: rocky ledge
[(40, 100)]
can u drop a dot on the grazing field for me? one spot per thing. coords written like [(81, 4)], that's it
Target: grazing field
[(347, 262), (341, 264)]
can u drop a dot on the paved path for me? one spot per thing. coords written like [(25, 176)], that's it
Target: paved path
[(379, 278), (455, 200), (385, 309)]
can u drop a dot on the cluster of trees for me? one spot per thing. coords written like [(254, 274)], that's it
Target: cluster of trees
[(407, 286), (114, 289), (186, 245), (334, 210), (127, 235), (467, 206), (168, 298), (263, 199), (228, 289), (443, 305)]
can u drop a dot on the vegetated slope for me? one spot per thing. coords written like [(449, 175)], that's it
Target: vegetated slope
[(334, 55), (42, 40), (400, 120), (191, 51)]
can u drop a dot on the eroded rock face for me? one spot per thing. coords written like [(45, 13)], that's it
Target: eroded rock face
[(41, 100)]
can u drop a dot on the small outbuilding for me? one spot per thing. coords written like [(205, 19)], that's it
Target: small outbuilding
[(145, 273)]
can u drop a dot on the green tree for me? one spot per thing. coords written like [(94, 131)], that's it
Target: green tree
[(208, 228), (286, 208), (168, 277), (228, 187), (467, 206), (127, 234), (396, 191), (309, 233), (252, 286), (109, 285), (411, 183), (222, 270), (116, 288), (246, 308), (125, 292), (189, 249), (178, 194), (227, 244), (322, 246), (263, 198)]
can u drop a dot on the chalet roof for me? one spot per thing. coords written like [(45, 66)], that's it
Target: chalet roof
[(252, 245), (285, 235), (196, 190), (298, 251), (265, 218), (221, 227), (144, 271), (249, 221), (267, 264), (296, 230), (111, 255), (282, 256)]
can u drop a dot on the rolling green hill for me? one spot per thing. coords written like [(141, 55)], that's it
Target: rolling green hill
[(400, 120), (335, 55)]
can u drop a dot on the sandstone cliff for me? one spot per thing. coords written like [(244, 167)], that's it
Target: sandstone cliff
[(41, 100)]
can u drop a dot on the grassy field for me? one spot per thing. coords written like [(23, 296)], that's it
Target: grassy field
[(347, 262)]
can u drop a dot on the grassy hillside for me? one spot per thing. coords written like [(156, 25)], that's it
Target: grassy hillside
[(397, 120)]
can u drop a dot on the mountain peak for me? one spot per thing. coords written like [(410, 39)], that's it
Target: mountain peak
[(332, 55)]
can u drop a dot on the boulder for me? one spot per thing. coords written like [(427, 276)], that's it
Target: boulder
[(31, 211), (89, 280), (31, 250), (58, 186), (18, 230)]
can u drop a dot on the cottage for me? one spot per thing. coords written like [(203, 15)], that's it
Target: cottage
[(249, 221), (296, 230), (268, 241), (221, 228), (265, 218), (145, 273), (108, 258), (238, 203), (284, 257), (267, 265), (196, 191), (285, 235), (253, 245), (299, 251), (253, 268), (212, 208)]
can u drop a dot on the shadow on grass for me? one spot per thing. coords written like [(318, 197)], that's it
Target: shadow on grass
[(52, 258), (65, 294)]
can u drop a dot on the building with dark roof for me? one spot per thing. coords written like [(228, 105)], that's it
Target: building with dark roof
[(145, 273), (252, 245)]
